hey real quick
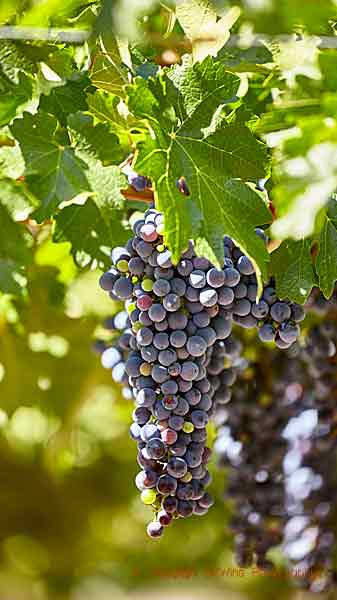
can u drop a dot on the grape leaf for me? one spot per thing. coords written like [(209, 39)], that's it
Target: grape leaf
[(245, 59), (12, 242), (107, 107), (187, 140), (292, 266), (12, 279), (306, 185), (198, 19), (16, 199), (91, 236), (97, 140), (105, 182), (326, 261), (14, 61), (12, 96), (66, 99), (56, 174), (14, 253), (108, 71)]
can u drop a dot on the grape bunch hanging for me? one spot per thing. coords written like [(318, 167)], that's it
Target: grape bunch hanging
[(175, 353)]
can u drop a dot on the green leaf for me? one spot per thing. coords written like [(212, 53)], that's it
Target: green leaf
[(292, 268), (12, 279), (11, 160), (326, 261), (107, 107), (91, 236), (198, 19), (16, 199), (56, 174), (66, 99), (108, 71), (187, 140), (306, 185), (12, 241), (105, 182), (14, 61), (97, 140), (245, 59), (12, 96)]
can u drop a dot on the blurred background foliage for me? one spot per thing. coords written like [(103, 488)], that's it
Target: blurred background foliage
[(71, 523)]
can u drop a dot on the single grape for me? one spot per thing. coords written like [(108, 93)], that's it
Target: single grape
[(172, 302), (167, 357), (225, 296), (148, 353), (110, 357), (166, 484), (177, 467), (146, 397), (144, 302), (170, 402), (122, 288), (245, 266), (178, 286), (280, 311), (170, 386), (232, 276), (161, 341), (164, 518), (177, 320), (107, 281), (161, 287), (156, 448), (185, 508), (170, 504), (215, 278), (189, 371), (155, 529), (182, 407), (184, 268), (159, 373), (241, 307), (176, 422), (157, 312), (169, 436), (144, 336), (260, 310), (197, 279), (199, 418), (196, 345)]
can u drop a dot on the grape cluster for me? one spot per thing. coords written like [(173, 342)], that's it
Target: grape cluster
[(180, 321), (167, 371), (309, 464), (277, 437), (250, 444)]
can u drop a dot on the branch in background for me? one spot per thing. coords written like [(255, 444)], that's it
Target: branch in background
[(78, 36)]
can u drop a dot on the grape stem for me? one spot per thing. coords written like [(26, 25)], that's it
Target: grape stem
[(144, 196)]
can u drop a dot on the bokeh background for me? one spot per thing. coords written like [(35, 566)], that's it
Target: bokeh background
[(71, 522)]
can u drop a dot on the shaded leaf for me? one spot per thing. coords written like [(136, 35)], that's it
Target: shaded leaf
[(292, 267), (326, 261), (97, 140), (91, 236), (56, 174), (12, 280)]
